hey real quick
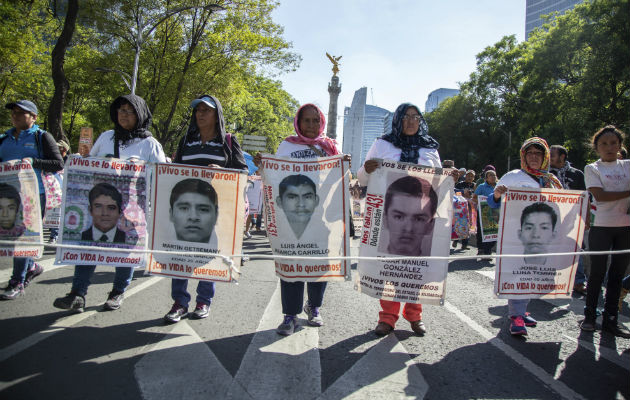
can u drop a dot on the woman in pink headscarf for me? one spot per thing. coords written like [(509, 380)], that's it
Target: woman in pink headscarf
[(310, 141)]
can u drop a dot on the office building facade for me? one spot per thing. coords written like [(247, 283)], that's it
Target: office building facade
[(362, 125), (537, 8), (437, 96)]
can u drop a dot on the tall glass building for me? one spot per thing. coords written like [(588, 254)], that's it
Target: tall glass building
[(536, 8), (437, 96), (362, 125)]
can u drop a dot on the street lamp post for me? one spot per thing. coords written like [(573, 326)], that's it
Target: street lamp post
[(141, 34)]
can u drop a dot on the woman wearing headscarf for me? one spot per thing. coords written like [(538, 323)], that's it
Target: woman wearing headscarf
[(409, 141), (130, 139), (534, 173), (205, 144), (309, 141)]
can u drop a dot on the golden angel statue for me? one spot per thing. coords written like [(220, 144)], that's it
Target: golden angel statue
[(335, 61)]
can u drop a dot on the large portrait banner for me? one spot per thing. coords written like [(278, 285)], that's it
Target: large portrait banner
[(197, 210), (533, 223), (307, 213), (20, 213), (408, 210), (488, 220), (105, 204)]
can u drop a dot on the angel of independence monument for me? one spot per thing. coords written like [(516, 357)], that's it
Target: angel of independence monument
[(334, 88)]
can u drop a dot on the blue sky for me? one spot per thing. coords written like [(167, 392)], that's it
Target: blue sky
[(400, 49)]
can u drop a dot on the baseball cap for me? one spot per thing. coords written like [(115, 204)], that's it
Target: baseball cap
[(205, 99), (63, 144), (24, 105)]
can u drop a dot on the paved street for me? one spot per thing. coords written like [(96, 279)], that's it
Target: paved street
[(235, 353)]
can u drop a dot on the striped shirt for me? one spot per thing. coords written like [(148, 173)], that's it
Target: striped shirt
[(199, 153)]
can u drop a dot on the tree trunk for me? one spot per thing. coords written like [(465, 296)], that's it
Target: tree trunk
[(55, 110)]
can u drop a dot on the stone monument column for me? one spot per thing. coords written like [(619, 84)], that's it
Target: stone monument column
[(334, 88)]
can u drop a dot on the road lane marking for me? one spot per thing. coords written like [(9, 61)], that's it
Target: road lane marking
[(64, 323), (276, 367), (557, 386), (182, 366), (386, 371)]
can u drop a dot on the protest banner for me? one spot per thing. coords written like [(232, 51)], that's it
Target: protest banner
[(52, 218), (488, 220), (197, 209), (534, 222), (20, 212), (460, 228), (85, 141), (408, 212), (307, 213), (254, 194), (105, 205)]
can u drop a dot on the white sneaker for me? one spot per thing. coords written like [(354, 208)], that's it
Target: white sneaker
[(314, 317), (248, 235)]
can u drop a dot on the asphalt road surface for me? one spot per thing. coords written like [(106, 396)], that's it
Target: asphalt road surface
[(235, 353)]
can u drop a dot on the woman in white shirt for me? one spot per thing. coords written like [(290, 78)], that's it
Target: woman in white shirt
[(608, 180), (310, 141), (409, 141)]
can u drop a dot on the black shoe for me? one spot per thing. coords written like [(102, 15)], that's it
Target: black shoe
[(114, 300), (590, 316), (610, 324), (72, 301)]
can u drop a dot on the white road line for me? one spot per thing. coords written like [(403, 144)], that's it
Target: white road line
[(557, 386), (63, 323), (276, 367), (182, 366), (4, 385), (385, 372)]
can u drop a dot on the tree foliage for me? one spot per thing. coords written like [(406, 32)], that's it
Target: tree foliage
[(569, 79), (194, 50)]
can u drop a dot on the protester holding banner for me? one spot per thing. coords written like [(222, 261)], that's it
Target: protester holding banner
[(534, 173), (206, 143), (25, 141), (484, 189), (409, 141), (130, 138), (310, 141), (608, 180)]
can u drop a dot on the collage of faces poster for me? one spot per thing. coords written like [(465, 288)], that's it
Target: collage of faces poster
[(104, 204), (20, 213), (197, 210), (408, 211), (534, 222), (307, 215), (488, 220)]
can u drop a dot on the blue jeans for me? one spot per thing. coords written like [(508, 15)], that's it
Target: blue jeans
[(23, 264), (83, 273), (292, 294), (179, 294)]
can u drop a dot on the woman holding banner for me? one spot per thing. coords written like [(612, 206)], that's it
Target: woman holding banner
[(310, 141), (608, 180), (206, 144), (409, 141), (534, 173), (129, 139)]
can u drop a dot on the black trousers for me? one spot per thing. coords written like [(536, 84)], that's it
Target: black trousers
[(602, 238)]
